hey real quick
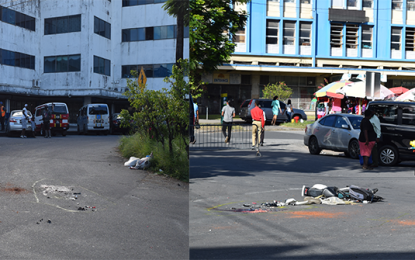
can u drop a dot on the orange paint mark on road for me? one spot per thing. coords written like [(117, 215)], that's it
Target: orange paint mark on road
[(406, 222), (258, 211), (314, 214)]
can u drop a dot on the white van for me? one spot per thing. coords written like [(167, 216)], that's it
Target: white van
[(93, 117)]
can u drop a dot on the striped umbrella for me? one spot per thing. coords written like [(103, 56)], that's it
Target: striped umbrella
[(330, 89)]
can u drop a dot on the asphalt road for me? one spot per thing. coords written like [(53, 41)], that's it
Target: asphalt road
[(129, 214), (221, 181)]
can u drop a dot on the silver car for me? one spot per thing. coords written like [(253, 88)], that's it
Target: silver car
[(337, 132), (247, 105), (14, 123)]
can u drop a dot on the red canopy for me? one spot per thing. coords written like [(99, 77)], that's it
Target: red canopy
[(399, 90)]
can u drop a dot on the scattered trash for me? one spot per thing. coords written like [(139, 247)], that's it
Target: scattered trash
[(160, 170), (49, 221), (142, 163), (131, 162)]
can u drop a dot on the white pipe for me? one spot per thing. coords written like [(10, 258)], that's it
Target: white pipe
[(207, 113)]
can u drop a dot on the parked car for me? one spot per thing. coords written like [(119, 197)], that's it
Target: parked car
[(93, 117), (116, 125), (336, 132), (247, 105), (59, 118), (397, 120), (14, 122)]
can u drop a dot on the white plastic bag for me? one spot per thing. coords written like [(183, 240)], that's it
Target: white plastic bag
[(131, 162)]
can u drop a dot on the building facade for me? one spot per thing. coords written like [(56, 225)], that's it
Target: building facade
[(82, 51), (303, 42)]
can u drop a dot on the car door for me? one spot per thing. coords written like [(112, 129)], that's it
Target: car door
[(324, 131), (406, 131), (282, 116), (266, 107), (341, 135)]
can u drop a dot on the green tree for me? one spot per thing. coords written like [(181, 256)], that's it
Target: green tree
[(161, 115), (180, 10), (212, 25), (279, 89)]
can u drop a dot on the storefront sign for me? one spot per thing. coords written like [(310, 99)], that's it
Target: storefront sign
[(220, 78)]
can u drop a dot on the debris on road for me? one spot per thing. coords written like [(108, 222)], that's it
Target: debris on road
[(137, 163)]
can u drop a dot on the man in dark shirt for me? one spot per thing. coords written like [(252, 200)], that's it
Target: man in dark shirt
[(367, 139), (259, 121)]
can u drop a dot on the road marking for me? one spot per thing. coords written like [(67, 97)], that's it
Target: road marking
[(267, 191), (33, 187)]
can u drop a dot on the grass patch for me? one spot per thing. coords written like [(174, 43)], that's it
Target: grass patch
[(176, 165), (297, 125)]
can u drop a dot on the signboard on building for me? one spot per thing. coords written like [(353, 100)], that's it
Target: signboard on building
[(220, 78), (372, 85)]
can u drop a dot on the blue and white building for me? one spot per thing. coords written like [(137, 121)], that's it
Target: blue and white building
[(82, 51), (301, 42)]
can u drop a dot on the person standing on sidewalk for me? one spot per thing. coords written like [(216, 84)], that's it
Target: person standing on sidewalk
[(276, 108), (228, 113), (258, 122), (2, 115), (376, 126), (24, 121)]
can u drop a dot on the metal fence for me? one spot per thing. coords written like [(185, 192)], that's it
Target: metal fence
[(211, 137)]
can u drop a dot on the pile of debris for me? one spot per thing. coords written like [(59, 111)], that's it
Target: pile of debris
[(322, 194), (136, 163)]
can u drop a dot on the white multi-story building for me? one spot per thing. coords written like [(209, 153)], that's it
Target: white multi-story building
[(82, 51)]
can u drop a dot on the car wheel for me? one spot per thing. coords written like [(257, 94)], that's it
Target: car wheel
[(388, 155), (313, 146), (354, 149)]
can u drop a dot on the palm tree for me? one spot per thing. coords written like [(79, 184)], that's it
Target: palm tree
[(180, 10)]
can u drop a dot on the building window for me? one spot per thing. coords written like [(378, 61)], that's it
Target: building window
[(336, 35), (396, 38), (164, 32), (368, 3), (16, 18), (410, 5), (102, 28), (151, 71), (272, 31), (410, 39), (17, 59), (289, 1), (64, 63), (352, 36), (352, 3), (102, 66), (367, 32), (337, 3), (306, 1), (64, 24), (305, 34), (141, 2), (397, 4), (289, 33)]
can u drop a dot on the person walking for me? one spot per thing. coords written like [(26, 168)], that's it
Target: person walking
[(46, 122), (290, 110), (276, 108), (258, 122), (2, 115), (25, 119), (376, 126), (33, 126), (228, 113), (367, 139), (261, 140)]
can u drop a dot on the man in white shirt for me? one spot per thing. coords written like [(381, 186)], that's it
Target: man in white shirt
[(24, 121), (376, 126), (228, 113)]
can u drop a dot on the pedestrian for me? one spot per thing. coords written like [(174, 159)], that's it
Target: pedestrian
[(33, 126), (376, 126), (276, 108), (367, 139), (196, 109), (46, 122), (228, 113), (290, 110), (263, 128), (24, 121), (258, 122), (2, 115)]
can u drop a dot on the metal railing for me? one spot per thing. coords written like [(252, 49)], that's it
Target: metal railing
[(211, 137)]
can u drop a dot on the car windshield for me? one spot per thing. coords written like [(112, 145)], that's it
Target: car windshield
[(20, 113), (58, 109), (98, 110), (245, 103), (355, 121)]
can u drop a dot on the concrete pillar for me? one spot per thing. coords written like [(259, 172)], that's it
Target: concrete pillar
[(112, 109), (255, 86), (7, 105), (87, 100)]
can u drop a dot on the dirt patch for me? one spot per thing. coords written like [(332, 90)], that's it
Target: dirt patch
[(314, 214), (10, 188)]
